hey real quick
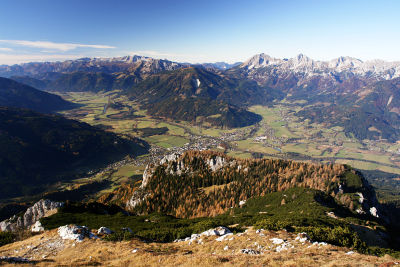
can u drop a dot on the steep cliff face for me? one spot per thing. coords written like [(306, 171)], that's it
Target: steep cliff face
[(212, 180), (32, 215)]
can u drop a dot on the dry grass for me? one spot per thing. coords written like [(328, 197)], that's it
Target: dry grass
[(211, 253)]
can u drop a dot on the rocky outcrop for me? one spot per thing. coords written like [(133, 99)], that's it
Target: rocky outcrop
[(369, 204), (104, 231), (138, 197), (216, 163), (75, 232), (219, 231), (39, 210), (37, 227), (148, 172), (170, 158)]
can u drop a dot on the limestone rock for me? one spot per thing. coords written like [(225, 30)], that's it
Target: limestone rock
[(302, 237), (219, 231), (250, 251), (37, 227), (104, 231), (216, 163), (277, 241), (170, 158), (39, 210), (148, 172), (138, 196), (374, 212), (31, 216), (75, 232)]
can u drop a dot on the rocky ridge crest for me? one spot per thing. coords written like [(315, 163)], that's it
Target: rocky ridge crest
[(31, 217)]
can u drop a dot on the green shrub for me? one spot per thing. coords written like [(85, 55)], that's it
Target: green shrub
[(338, 235), (204, 225), (119, 236), (6, 238), (268, 224)]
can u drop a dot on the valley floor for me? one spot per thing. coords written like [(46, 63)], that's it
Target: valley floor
[(48, 249)]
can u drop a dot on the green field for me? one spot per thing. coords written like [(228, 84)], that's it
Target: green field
[(167, 141)]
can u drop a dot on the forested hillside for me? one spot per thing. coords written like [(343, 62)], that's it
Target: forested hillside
[(38, 150), (200, 184), (14, 94)]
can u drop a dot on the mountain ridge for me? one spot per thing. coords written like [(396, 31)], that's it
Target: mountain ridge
[(39, 150), (106, 65), (301, 63), (15, 94)]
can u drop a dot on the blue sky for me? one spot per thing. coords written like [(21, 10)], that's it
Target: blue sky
[(198, 31)]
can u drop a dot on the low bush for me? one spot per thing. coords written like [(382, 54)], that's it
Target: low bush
[(339, 235), (6, 238)]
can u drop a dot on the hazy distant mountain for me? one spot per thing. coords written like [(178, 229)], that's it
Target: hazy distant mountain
[(378, 69), (220, 65), (72, 82), (88, 74), (137, 64), (14, 94)]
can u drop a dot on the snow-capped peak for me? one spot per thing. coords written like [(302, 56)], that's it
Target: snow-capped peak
[(303, 64), (260, 60)]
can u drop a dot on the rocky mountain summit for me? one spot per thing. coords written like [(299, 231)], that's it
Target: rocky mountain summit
[(378, 69), (304, 78)]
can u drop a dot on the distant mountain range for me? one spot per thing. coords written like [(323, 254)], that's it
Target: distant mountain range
[(300, 64), (378, 69), (220, 65), (138, 64), (360, 96), (88, 74)]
